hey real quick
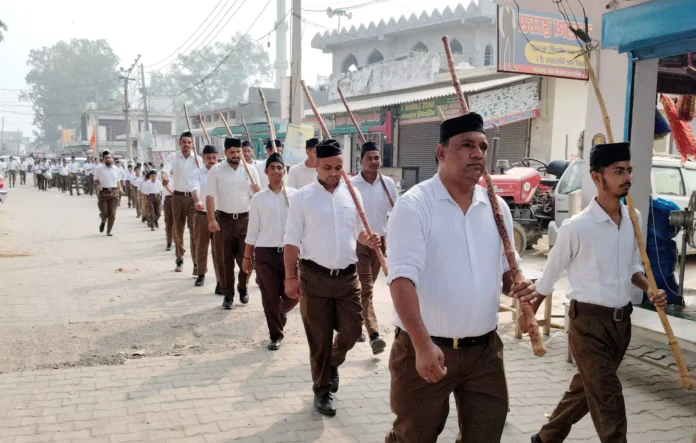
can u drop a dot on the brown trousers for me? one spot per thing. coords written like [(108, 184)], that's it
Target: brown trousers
[(598, 345), (203, 240), (270, 270), (230, 250), (168, 218), (154, 206), (329, 303), (90, 184), (144, 207), (62, 183), (183, 210), (475, 375), (129, 193), (22, 177), (136, 200), (12, 178), (107, 200), (73, 181), (368, 271)]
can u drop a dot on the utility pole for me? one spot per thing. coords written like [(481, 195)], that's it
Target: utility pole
[(2, 136), (281, 61), (126, 106), (144, 92), (297, 95)]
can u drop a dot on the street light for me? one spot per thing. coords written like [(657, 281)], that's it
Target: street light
[(339, 13)]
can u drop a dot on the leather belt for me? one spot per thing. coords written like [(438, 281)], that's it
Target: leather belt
[(592, 310), (108, 189), (201, 212), (233, 216), (330, 272), (458, 343), (271, 249), (185, 194)]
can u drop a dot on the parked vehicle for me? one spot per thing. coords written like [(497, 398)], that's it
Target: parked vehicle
[(3, 191)]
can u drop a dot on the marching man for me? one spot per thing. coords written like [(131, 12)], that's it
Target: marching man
[(324, 221), (446, 265), (73, 178), (261, 164), (305, 173), (23, 171), (106, 179), (600, 252), (264, 238), (12, 168)]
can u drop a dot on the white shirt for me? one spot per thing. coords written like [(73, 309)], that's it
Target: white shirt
[(88, 169), (12, 165), (63, 170), (260, 166), (148, 187), (301, 176), (142, 183), (199, 182), (267, 218), (107, 176), (230, 187), (376, 204), (325, 225), (455, 260), (73, 168), (137, 181), (178, 169), (600, 258), (22, 166)]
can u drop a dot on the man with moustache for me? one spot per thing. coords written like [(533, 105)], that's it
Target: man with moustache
[(229, 192), (323, 220), (305, 173), (180, 165), (106, 179)]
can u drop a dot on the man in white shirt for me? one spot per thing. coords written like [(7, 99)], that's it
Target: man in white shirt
[(261, 164), (12, 171), (199, 182), (127, 177), (168, 216), (152, 189), (377, 208), (144, 206), (323, 220), (63, 174), (599, 250), (135, 184), (305, 173), (229, 192), (180, 165), (446, 265), (108, 190), (73, 178), (89, 178), (264, 241), (23, 171)]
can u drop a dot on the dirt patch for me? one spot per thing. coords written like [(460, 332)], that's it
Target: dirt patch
[(12, 254)]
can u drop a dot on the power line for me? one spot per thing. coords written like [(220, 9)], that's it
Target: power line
[(65, 87)]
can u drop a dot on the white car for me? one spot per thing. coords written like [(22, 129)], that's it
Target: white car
[(3, 191), (670, 180)]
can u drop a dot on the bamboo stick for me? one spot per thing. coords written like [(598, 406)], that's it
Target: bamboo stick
[(272, 133), (195, 149), (246, 167), (245, 128), (205, 132)]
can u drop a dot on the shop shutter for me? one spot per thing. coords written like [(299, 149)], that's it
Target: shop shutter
[(514, 142), (417, 144)]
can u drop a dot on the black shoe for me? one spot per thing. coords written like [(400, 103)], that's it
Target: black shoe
[(200, 280), (101, 227), (157, 225), (179, 266), (195, 270), (109, 234), (536, 438), (218, 289), (143, 219), (274, 345), (169, 247), (283, 319), (244, 297), (227, 303), (377, 344), (362, 339), (334, 379), (324, 405), (152, 228)]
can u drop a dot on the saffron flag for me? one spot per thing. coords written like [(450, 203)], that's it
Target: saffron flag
[(93, 139)]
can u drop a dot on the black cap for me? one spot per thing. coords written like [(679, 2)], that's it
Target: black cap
[(186, 134), (328, 148), (312, 143), (609, 153), (105, 153), (471, 122), (231, 142), (278, 144), (367, 147), (246, 143), (209, 149), (275, 158)]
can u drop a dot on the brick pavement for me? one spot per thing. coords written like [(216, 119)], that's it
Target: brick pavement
[(243, 394)]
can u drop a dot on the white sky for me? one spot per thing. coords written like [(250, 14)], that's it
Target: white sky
[(155, 28)]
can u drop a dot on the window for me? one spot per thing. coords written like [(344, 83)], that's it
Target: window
[(488, 56), (375, 57), (350, 64), (668, 181), (456, 47), (571, 180), (419, 47), (690, 177)]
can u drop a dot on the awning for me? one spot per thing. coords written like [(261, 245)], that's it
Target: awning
[(414, 96)]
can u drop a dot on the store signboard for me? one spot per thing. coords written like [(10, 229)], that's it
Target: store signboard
[(539, 43), (369, 118)]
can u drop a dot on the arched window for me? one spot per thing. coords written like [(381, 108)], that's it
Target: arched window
[(456, 46), (419, 47), (375, 57), (488, 56), (350, 63)]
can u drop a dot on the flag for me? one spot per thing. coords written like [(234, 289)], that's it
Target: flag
[(93, 139)]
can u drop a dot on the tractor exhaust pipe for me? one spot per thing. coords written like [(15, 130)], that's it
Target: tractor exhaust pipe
[(494, 151)]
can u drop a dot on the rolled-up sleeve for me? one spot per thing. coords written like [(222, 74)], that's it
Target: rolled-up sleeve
[(254, 226), (637, 265), (169, 164), (211, 187), (294, 225), (195, 180), (406, 241)]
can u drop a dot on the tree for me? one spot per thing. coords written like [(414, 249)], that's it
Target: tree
[(3, 27), (248, 65), (66, 76)]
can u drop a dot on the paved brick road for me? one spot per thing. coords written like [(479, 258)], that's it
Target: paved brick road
[(240, 393)]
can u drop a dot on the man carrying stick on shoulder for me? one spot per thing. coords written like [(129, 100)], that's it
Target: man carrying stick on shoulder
[(106, 179), (446, 263), (600, 252), (324, 221)]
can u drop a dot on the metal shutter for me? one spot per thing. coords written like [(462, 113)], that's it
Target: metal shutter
[(417, 144), (514, 142)]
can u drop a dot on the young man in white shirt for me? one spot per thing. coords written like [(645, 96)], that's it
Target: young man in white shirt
[(599, 250), (127, 177), (63, 176), (204, 238), (264, 242), (228, 199), (377, 208), (135, 184), (152, 189), (144, 206), (447, 268), (261, 164), (73, 178), (12, 171), (323, 220), (168, 216), (23, 171), (89, 178), (305, 173), (180, 165), (108, 190)]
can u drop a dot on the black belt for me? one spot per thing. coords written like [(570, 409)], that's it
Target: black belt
[(458, 343), (591, 310), (185, 194), (330, 272), (272, 250), (108, 189), (233, 216)]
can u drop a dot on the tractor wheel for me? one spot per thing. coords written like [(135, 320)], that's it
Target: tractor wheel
[(520, 238)]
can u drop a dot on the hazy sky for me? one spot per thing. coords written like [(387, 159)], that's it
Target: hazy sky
[(156, 28)]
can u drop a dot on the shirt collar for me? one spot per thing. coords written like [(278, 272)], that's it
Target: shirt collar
[(441, 193), (598, 212)]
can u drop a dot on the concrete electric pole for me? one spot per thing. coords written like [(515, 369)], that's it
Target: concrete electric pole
[(296, 93), (281, 62), (144, 92), (126, 106)]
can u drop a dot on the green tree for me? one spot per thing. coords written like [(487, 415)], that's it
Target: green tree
[(248, 65), (3, 27), (63, 78)]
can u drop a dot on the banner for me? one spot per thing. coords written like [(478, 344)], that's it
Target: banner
[(539, 43), (296, 138)]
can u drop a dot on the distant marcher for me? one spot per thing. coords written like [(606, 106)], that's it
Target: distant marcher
[(108, 190)]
